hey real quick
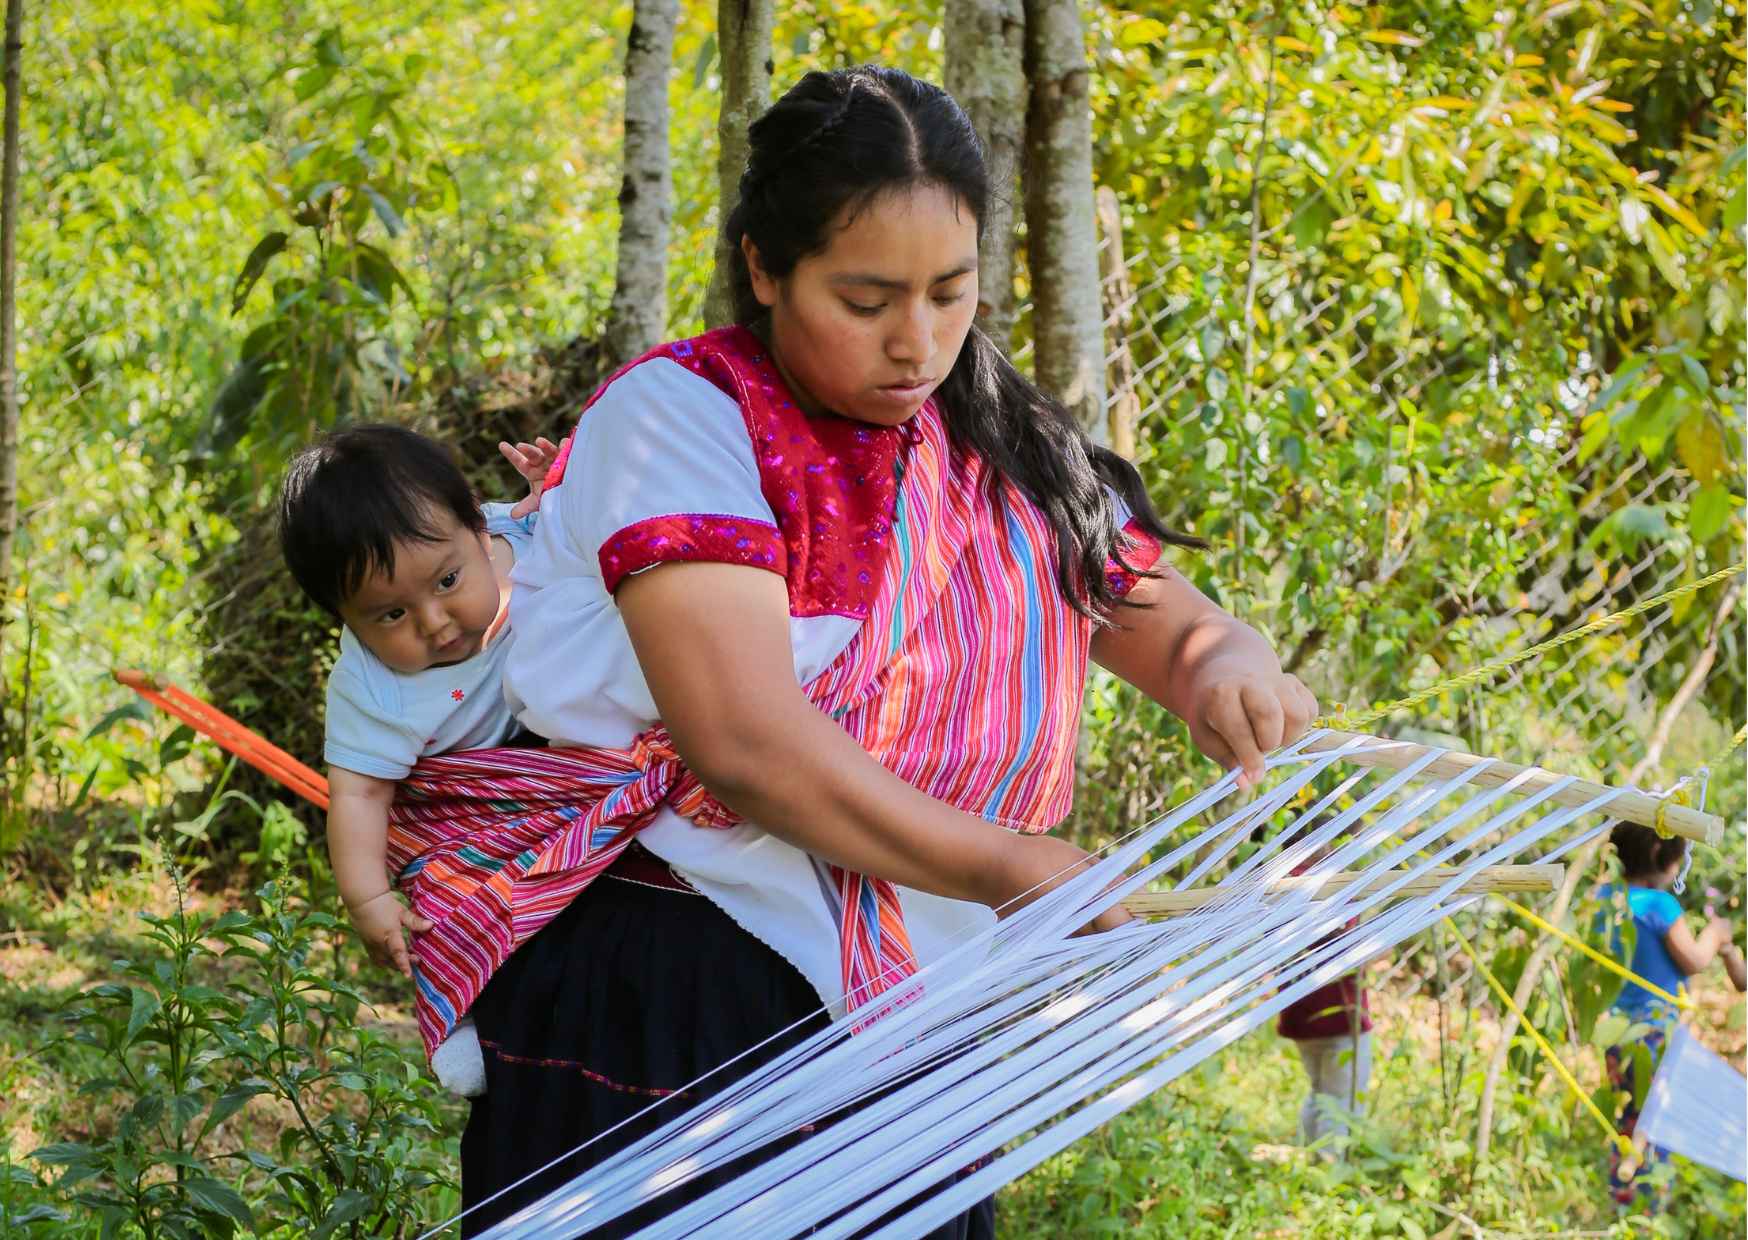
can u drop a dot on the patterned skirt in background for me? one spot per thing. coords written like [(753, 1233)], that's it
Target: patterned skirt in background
[(1619, 1065), (638, 988)]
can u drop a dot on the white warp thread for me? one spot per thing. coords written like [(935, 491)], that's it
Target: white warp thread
[(1697, 1106), (1025, 1038)]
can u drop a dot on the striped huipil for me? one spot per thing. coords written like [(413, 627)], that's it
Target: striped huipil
[(964, 678)]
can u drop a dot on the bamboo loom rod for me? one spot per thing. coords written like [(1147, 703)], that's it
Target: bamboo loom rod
[(1630, 805), (1520, 878)]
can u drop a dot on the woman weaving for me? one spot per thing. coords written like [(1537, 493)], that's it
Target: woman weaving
[(834, 571)]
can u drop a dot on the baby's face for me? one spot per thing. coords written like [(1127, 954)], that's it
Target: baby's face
[(437, 605)]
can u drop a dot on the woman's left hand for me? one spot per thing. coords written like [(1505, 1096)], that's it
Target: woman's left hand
[(1241, 714), (1214, 672)]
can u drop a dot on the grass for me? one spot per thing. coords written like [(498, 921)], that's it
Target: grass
[(1210, 1156)]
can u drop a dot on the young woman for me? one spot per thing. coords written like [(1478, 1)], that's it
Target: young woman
[(821, 587)]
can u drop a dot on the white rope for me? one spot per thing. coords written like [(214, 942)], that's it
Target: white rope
[(1027, 1037)]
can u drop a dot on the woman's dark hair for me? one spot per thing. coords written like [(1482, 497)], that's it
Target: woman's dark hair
[(1643, 852), (352, 495), (833, 143)]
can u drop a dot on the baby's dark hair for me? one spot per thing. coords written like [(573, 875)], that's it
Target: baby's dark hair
[(1643, 852), (352, 495)]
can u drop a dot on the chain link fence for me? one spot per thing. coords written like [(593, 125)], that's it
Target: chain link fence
[(1395, 508)]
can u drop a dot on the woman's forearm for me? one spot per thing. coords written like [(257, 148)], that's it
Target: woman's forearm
[(714, 644), (804, 779)]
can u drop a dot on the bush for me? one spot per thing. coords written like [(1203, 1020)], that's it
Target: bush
[(225, 1027)]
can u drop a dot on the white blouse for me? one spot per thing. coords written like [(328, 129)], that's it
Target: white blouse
[(663, 441)]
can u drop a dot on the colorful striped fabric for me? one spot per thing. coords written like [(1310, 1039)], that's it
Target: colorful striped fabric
[(965, 680)]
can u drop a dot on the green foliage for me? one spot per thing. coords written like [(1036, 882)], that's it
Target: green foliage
[(1468, 407), (358, 168), (184, 1060), (1491, 383)]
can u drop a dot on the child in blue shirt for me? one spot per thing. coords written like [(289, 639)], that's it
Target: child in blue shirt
[(1665, 953)]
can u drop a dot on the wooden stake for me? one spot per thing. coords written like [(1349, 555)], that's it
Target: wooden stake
[(1527, 878)]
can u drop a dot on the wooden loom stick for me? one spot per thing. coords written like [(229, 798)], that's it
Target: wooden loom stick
[(1488, 878), (1628, 804), (232, 736)]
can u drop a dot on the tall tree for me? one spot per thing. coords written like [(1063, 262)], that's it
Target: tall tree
[(9, 304), (986, 74), (1061, 236), (638, 319), (743, 37)]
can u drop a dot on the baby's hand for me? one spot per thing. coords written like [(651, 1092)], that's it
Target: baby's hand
[(382, 922), (532, 460)]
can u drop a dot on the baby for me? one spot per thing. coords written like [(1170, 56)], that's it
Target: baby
[(379, 528)]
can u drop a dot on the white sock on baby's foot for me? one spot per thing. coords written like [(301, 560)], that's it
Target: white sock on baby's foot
[(458, 1063)]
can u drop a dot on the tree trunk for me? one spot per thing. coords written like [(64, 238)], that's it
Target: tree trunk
[(743, 35), (9, 307), (1061, 237), (986, 74), (1118, 302), (1580, 866), (638, 319)]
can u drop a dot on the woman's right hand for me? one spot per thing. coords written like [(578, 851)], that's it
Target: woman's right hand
[(1035, 864)]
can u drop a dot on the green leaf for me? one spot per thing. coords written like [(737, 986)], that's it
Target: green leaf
[(1710, 512), (1311, 223), (254, 266), (348, 1206), (34, 1214), (1631, 525), (220, 1199), (64, 1154), (385, 212), (1662, 252), (144, 1006), (135, 708), (706, 58), (1142, 31)]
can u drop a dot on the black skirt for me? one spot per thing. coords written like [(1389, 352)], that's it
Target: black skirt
[(633, 992)]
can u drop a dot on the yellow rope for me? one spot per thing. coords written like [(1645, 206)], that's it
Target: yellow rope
[(1625, 1146), (1607, 962), (1361, 720), (1677, 795)]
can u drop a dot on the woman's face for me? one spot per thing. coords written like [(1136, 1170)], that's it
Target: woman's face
[(870, 326)]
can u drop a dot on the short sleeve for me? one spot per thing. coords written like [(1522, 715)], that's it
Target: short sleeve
[(1659, 913), (661, 469), (517, 531), (364, 734), (1140, 550)]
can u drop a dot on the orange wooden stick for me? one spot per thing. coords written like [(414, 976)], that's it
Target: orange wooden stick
[(230, 735)]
